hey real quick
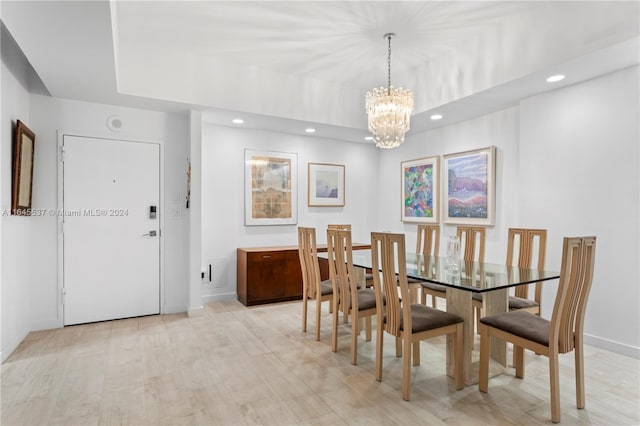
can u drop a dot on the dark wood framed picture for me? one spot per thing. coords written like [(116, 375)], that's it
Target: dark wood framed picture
[(23, 147)]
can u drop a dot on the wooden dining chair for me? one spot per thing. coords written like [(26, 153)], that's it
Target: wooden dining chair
[(368, 278), (523, 242), (471, 242), (313, 287), (356, 303), (562, 334), (428, 244), (527, 241), (409, 322)]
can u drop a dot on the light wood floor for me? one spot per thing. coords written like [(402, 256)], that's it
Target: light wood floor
[(236, 365)]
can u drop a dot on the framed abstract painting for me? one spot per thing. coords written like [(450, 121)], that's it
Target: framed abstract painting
[(420, 190), (325, 185), (469, 192), (271, 188)]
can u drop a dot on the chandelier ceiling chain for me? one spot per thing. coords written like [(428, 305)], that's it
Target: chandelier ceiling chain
[(389, 109), (388, 36)]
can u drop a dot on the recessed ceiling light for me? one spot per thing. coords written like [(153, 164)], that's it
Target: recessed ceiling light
[(368, 138), (555, 78), (436, 116), (237, 121), (310, 130)]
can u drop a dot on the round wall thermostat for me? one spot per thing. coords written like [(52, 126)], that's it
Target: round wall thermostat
[(115, 123)]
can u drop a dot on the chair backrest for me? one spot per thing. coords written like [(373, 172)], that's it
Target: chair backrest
[(308, 253), (471, 237), (428, 243), (387, 251), (341, 269), (344, 227), (526, 244), (576, 275)]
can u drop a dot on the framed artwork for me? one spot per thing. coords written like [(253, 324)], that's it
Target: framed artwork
[(420, 190), (325, 185), (22, 179), (271, 188), (469, 192)]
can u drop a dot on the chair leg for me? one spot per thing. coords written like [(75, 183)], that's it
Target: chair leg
[(398, 347), (318, 312), (518, 356), (416, 353), (423, 297), (483, 373), (304, 311), (434, 301), (354, 337), (579, 359), (334, 325), (367, 323), (478, 315), (406, 368), (379, 337), (554, 380)]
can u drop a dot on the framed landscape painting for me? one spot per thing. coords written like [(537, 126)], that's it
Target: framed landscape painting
[(325, 185), (271, 180), (469, 191), (420, 190)]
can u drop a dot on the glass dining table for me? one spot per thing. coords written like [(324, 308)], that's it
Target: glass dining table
[(491, 280)]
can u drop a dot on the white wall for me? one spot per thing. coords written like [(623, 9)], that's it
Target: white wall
[(29, 245), (579, 149), (195, 212), (499, 129), (15, 232), (47, 116), (567, 161), (223, 229)]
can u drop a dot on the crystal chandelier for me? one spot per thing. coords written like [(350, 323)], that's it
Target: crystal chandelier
[(389, 110)]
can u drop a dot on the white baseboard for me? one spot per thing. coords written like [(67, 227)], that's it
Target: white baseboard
[(219, 297), (174, 309), (610, 345), (46, 325), (195, 312)]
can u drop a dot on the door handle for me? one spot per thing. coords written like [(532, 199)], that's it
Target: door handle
[(150, 234)]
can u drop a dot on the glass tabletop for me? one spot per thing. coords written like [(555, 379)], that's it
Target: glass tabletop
[(476, 277)]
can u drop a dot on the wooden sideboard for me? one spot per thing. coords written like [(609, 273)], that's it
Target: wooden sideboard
[(273, 274)]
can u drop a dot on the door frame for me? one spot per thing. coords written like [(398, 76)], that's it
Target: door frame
[(60, 205)]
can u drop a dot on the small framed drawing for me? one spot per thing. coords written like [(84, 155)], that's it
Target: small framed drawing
[(421, 190), (271, 188), (469, 192), (325, 185), (22, 179)]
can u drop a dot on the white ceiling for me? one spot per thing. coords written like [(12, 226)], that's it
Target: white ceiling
[(289, 65)]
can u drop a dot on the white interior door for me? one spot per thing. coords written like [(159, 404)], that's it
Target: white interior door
[(111, 242)]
